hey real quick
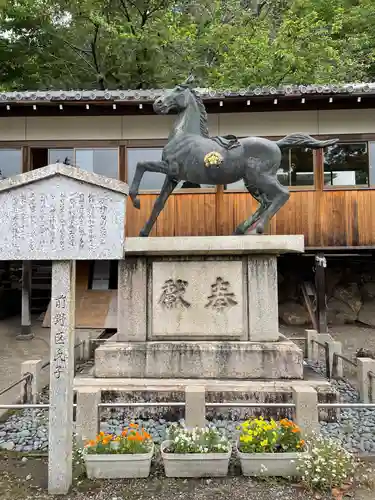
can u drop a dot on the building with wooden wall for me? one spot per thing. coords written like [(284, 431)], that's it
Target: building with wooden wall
[(332, 193)]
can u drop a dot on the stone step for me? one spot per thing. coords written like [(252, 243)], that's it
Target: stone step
[(217, 360), (180, 384)]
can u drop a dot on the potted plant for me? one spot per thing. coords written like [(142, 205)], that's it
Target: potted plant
[(195, 452), (270, 448), (114, 457)]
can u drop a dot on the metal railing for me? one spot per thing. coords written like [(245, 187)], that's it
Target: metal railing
[(47, 363), (234, 404), (335, 361), (324, 346), (27, 379), (332, 373), (371, 376)]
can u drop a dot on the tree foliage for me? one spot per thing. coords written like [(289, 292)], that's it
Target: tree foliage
[(153, 43)]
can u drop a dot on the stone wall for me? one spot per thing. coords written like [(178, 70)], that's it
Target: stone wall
[(350, 289)]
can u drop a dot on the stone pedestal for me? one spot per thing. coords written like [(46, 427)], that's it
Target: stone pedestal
[(201, 288), (199, 360), (201, 307)]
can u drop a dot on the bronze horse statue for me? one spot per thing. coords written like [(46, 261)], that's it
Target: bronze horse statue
[(192, 155)]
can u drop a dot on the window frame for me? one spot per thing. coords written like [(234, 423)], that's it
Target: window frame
[(123, 144), (350, 187), (87, 148), (154, 144), (27, 146), (313, 187)]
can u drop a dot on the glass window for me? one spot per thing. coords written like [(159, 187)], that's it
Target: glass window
[(153, 181), (102, 161), (61, 156), (103, 275), (296, 169), (10, 162), (100, 275), (346, 164)]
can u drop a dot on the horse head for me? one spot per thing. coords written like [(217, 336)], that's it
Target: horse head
[(176, 99)]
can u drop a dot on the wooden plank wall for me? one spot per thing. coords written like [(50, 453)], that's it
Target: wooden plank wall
[(326, 218)]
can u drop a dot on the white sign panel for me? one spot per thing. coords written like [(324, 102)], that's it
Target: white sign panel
[(62, 213)]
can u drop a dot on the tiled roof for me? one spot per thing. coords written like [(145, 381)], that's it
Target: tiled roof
[(207, 94)]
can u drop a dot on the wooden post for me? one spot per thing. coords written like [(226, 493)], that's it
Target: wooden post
[(61, 377), (320, 286), (26, 333)]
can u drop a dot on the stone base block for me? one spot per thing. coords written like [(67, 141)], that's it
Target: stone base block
[(200, 360)]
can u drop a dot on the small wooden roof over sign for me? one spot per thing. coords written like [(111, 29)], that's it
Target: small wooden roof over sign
[(60, 212)]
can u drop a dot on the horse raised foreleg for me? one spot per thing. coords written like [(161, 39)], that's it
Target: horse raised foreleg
[(142, 167), (166, 190)]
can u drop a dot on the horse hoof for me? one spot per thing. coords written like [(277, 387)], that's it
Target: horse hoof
[(137, 204), (238, 232), (142, 234), (260, 229)]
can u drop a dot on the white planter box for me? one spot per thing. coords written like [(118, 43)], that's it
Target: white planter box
[(118, 466), (270, 464), (194, 464)]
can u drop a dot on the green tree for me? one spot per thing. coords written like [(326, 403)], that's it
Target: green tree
[(153, 43)]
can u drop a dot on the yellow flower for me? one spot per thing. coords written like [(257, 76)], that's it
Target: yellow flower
[(264, 442)]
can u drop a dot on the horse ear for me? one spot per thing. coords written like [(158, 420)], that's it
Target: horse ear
[(189, 81)]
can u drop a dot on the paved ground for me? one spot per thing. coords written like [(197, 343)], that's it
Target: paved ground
[(14, 352), (353, 337)]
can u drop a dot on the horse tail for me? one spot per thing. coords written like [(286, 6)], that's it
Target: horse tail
[(303, 141)]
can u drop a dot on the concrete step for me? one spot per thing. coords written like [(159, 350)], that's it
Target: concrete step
[(200, 359)]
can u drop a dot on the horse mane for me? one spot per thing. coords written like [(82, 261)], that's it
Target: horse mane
[(203, 113)]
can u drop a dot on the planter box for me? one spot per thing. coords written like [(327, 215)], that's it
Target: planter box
[(276, 464), (118, 466), (194, 464)]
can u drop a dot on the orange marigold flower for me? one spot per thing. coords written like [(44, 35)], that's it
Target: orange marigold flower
[(146, 435), (133, 426), (295, 430), (101, 434), (124, 433), (106, 441), (302, 442), (132, 438)]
